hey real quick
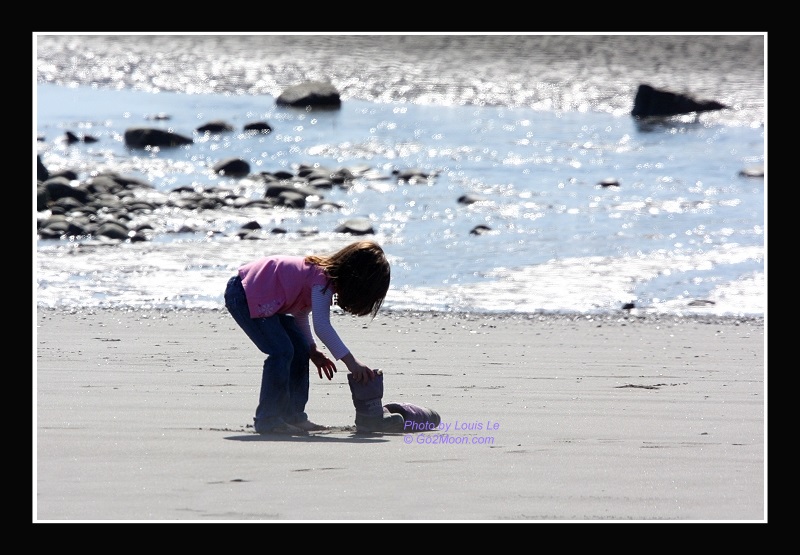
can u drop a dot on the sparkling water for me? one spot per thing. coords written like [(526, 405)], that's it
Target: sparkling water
[(682, 232)]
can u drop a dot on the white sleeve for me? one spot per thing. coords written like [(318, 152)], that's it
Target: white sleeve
[(321, 315), (301, 319)]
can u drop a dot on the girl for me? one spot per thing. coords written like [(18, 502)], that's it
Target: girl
[(271, 299)]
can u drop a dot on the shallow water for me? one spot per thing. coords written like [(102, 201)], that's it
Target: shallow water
[(683, 233)]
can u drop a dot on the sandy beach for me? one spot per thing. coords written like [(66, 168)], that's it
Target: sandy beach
[(146, 416)]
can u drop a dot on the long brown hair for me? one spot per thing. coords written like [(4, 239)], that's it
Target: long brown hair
[(359, 274)]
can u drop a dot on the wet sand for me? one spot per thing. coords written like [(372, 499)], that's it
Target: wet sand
[(146, 416)]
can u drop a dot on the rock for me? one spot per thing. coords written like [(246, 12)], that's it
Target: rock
[(42, 200), (412, 175), (112, 230), (259, 126), (697, 303), (480, 229), (142, 137), (71, 138), (752, 171), (356, 226), (652, 102), (60, 187), (317, 94), (41, 172), (292, 199), (277, 189), (216, 126), (470, 198), (251, 225), (234, 167), (609, 182)]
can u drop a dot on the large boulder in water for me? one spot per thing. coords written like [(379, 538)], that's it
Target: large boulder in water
[(317, 94), (652, 102)]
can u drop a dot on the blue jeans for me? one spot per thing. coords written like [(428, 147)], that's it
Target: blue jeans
[(284, 377)]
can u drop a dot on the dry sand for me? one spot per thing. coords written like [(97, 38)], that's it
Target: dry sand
[(145, 416)]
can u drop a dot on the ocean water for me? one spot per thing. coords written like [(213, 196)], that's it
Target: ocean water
[(529, 124)]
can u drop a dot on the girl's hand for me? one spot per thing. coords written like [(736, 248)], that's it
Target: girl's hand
[(363, 374), (323, 364)]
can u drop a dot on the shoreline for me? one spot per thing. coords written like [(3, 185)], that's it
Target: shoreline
[(621, 316), (146, 415)]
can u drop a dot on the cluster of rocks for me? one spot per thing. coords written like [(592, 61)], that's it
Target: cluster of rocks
[(105, 205)]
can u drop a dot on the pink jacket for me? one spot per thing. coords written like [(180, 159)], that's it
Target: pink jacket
[(288, 285), (280, 285)]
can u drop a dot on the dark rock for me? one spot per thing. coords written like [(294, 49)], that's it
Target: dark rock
[(234, 167), (142, 137), (125, 181), (752, 171), (71, 175), (356, 226), (251, 225), (68, 204), (259, 234), (208, 203), (652, 102), (413, 175), (259, 203), (58, 226), (104, 184), (41, 172), (292, 199), (321, 183), (106, 201), (42, 199), (317, 94), (138, 206), (280, 174), (480, 229), (113, 230), (60, 187), (326, 205), (470, 198), (277, 189), (313, 172), (216, 126), (697, 303), (259, 126), (342, 175)]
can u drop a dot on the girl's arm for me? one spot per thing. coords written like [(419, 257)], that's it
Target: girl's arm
[(321, 313)]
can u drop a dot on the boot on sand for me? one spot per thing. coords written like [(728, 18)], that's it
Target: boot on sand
[(415, 417), (370, 414)]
